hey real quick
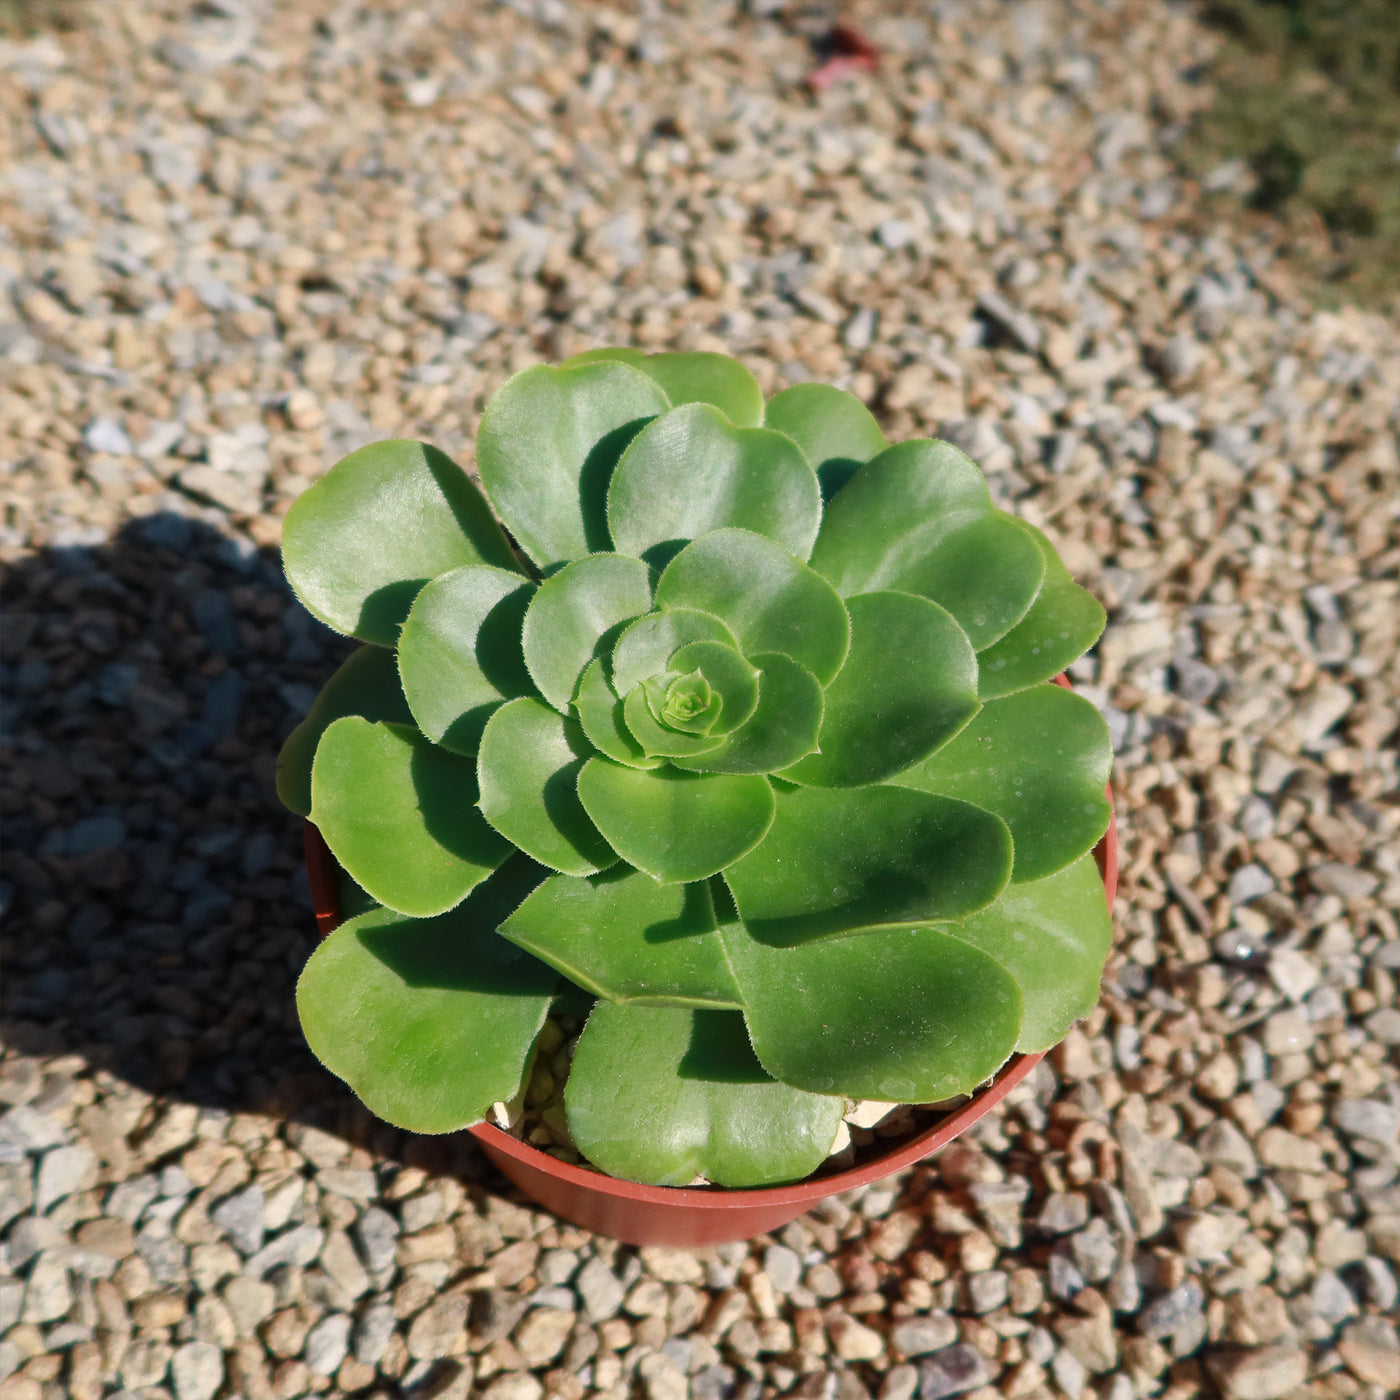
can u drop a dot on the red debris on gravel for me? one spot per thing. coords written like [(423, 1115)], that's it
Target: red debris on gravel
[(850, 52)]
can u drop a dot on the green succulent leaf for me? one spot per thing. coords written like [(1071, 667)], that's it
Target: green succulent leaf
[(835, 431), (359, 544), (367, 684), (694, 376), (708, 1106), (692, 471), (350, 900), (683, 701), (646, 647), (659, 740), (600, 716), (837, 860), (908, 685), (528, 768), (986, 572), (732, 678), (676, 826), (1063, 623), (1053, 936), (398, 814), (768, 599), (918, 519), (736, 721), (546, 449), (883, 518), (626, 938), (430, 1021), (574, 616), (459, 655), (1040, 760), (606, 354), (782, 729), (907, 1015)]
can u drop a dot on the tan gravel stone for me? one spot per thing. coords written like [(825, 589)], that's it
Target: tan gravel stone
[(1371, 1350), (853, 1341), (1265, 1373)]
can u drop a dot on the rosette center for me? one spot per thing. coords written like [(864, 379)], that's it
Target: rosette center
[(687, 703)]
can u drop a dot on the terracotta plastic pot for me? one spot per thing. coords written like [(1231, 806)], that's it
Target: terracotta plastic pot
[(692, 1217)]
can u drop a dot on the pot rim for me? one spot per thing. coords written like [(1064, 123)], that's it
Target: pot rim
[(321, 878)]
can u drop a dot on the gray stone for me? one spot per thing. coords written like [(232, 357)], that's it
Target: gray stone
[(47, 1296), (562, 1298), (1384, 1025), (783, 1267), (1065, 1279), (1124, 1291), (1249, 882), (952, 1371), (1040, 1346), (1172, 1311), (352, 1183), (894, 234), (1095, 1251), (145, 1362), (197, 1370), (987, 1291), (1367, 1118), (714, 1382), (1222, 1144), (378, 1234), (299, 1245), (1069, 1373), (175, 1181), (29, 1129), (372, 1331), (556, 1266), (32, 1234), (343, 1267), (1063, 1211), (1331, 1298), (16, 1190), (923, 1333), (327, 1344), (1294, 973), (601, 1291), (107, 435), (11, 1303), (61, 1172), (165, 1256), (999, 1204), (240, 1217), (129, 1200)]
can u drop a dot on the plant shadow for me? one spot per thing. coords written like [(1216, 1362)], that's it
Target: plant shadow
[(156, 909), (720, 1051)]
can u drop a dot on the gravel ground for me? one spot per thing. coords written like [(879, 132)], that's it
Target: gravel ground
[(238, 239)]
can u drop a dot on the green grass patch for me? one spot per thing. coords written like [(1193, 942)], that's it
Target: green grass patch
[(23, 19), (1308, 97)]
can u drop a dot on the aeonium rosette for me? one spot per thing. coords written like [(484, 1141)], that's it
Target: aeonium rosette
[(749, 738)]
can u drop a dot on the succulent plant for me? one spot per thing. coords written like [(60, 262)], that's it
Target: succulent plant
[(743, 730)]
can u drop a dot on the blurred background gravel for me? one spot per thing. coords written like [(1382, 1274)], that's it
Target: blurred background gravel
[(238, 239)]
